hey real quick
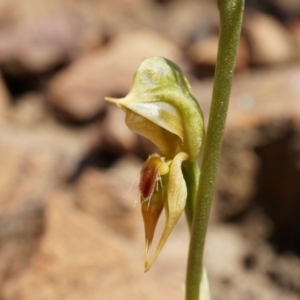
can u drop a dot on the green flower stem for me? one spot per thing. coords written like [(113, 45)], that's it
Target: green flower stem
[(231, 12), (191, 175)]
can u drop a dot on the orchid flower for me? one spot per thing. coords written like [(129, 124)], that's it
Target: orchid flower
[(160, 107)]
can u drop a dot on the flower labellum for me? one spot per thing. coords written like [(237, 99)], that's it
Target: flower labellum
[(154, 167), (160, 106), (151, 186)]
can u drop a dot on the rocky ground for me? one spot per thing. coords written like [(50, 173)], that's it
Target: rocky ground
[(67, 159)]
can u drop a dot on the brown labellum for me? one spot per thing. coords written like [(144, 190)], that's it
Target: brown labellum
[(150, 175)]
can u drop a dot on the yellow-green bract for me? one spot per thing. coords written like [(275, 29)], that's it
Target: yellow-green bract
[(160, 106)]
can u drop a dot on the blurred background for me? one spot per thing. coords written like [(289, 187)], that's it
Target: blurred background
[(67, 160)]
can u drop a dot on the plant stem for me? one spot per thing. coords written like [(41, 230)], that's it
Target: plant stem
[(231, 12)]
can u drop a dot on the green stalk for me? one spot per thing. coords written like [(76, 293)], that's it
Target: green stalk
[(231, 12)]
